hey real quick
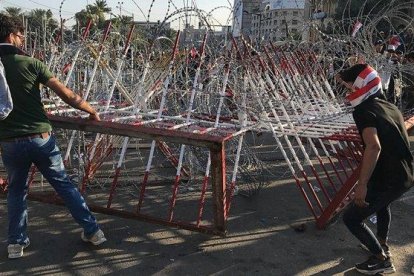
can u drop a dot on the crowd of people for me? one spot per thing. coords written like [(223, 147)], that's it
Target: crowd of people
[(393, 51)]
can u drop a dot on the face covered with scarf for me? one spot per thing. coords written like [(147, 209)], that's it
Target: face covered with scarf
[(362, 80)]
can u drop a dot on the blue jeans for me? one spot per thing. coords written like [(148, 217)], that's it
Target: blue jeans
[(379, 203), (18, 156)]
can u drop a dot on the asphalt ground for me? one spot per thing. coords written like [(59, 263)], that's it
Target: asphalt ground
[(270, 233), (263, 239)]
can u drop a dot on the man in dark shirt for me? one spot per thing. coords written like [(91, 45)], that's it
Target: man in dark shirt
[(25, 139), (386, 169)]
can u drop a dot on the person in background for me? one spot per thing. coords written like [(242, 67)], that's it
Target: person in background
[(381, 36), (407, 97), (379, 46), (26, 139), (386, 170)]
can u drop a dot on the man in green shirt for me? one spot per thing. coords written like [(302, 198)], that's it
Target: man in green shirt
[(25, 139)]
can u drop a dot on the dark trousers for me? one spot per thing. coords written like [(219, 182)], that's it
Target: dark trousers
[(379, 203)]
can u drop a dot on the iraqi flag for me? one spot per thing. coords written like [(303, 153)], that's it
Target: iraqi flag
[(394, 42), (193, 52), (356, 28), (366, 84)]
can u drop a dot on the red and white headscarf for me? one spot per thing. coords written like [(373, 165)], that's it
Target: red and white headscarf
[(366, 84)]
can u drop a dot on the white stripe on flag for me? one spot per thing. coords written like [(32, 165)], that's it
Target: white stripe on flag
[(363, 97), (360, 82)]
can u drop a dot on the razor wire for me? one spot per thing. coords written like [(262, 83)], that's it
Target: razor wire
[(284, 90)]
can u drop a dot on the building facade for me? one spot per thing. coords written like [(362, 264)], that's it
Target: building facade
[(243, 14), (278, 20), (319, 14)]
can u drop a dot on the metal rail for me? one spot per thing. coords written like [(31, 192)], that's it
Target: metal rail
[(215, 144)]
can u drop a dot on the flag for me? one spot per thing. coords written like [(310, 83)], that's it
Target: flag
[(393, 43), (356, 28), (366, 84)]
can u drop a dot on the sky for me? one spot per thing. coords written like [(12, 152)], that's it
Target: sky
[(128, 7)]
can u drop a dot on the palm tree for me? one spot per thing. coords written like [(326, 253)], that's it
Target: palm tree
[(38, 18), (95, 12), (82, 17), (99, 9), (13, 11), (122, 24)]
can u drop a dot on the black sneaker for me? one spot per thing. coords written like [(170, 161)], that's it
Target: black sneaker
[(374, 265)]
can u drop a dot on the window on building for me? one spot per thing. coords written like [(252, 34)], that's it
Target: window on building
[(284, 12), (274, 22), (294, 30), (295, 13), (294, 22), (283, 21)]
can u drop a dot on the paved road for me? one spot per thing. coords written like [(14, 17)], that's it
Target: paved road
[(261, 241)]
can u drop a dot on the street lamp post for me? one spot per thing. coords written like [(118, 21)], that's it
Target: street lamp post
[(120, 8)]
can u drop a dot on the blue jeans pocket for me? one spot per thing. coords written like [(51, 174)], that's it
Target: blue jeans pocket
[(43, 142)]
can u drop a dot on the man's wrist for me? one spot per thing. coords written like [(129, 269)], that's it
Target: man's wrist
[(362, 184)]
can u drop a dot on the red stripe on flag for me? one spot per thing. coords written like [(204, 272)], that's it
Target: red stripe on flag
[(366, 72), (358, 93)]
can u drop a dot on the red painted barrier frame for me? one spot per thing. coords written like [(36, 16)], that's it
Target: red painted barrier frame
[(216, 145)]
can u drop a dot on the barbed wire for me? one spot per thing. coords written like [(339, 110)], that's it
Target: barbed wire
[(285, 90)]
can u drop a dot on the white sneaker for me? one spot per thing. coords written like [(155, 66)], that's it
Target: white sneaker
[(16, 250), (96, 238)]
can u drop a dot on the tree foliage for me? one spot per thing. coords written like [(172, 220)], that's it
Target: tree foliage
[(95, 12), (38, 19), (41, 20), (13, 11)]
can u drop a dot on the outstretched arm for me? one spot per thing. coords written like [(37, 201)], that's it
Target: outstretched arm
[(71, 98)]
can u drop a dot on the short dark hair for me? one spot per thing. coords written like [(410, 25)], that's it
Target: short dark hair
[(9, 25), (350, 74)]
